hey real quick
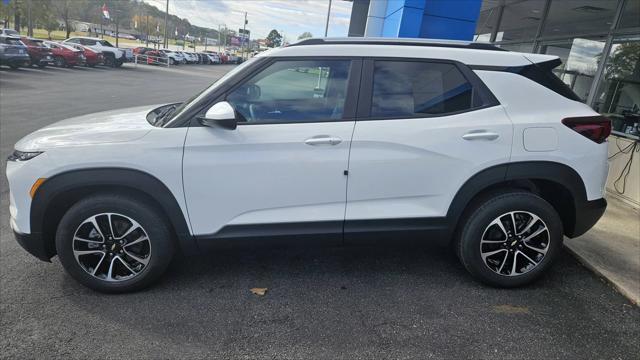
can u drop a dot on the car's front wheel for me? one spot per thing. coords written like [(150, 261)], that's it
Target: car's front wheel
[(114, 243), (59, 61), (510, 239), (109, 60)]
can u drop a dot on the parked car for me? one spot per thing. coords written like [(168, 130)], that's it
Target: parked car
[(113, 57), (13, 52), (92, 57), (39, 54), (186, 58), (156, 57), (141, 50), (65, 55), (393, 139), (175, 58), (214, 59), (9, 32)]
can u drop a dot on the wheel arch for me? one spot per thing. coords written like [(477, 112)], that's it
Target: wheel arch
[(557, 183), (58, 193)]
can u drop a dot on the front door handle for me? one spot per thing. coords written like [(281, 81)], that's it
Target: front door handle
[(323, 140), (480, 135)]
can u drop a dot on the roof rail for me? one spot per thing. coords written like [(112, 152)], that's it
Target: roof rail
[(398, 41)]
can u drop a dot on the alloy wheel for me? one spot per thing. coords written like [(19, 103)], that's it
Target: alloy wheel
[(111, 247), (514, 243)]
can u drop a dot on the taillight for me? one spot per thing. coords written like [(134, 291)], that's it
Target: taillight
[(595, 128)]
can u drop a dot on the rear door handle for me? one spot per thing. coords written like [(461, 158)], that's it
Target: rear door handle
[(323, 140), (480, 135)]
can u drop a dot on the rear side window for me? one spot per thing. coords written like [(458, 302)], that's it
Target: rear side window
[(419, 88)]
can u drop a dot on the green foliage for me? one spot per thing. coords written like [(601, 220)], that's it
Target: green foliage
[(125, 12), (274, 39)]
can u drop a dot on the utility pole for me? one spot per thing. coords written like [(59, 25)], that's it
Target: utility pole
[(244, 34), (326, 27), (166, 40), (219, 37), (116, 19), (147, 29)]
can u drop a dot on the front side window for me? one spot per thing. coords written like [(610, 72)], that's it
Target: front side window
[(416, 88), (293, 91), (105, 43)]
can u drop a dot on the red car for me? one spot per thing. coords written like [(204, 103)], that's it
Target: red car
[(156, 57), (92, 57), (141, 50), (39, 53), (65, 55)]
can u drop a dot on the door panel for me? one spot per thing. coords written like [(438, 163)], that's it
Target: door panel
[(285, 163), (261, 174), (410, 168), (424, 128)]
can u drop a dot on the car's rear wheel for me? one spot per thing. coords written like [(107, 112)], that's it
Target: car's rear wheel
[(113, 243), (14, 66), (510, 239)]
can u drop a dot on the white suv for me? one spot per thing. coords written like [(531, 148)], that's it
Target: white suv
[(113, 56), (341, 140)]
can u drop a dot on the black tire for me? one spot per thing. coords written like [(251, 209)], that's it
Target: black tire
[(109, 60), (479, 219), (154, 224), (59, 61), (119, 63), (42, 66), (14, 66)]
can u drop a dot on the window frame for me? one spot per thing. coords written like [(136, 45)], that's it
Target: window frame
[(366, 89), (351, 95)]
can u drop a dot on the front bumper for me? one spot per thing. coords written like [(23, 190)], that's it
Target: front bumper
[(34, 245), (587, 215)]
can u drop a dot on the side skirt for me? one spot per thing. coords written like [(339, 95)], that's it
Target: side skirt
[(328, 233)]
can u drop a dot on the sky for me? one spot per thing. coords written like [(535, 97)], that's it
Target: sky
[(291, 17)]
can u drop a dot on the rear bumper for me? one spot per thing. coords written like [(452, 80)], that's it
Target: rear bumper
[(34, 245), (18, 59), (587, 216)]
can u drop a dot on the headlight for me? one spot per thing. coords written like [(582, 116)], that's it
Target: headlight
[(22, 155)]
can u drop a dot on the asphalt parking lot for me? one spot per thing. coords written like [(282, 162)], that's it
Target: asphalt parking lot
[(356, 302)]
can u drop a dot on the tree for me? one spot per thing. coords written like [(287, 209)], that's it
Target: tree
[(274, 39), (63, 10), (305, 35)]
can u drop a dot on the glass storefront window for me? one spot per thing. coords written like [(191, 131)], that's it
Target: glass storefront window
[(521, 47), (487, 20), (568, 17), (618, 95), (630, 14), (520, 20), (580, 58)]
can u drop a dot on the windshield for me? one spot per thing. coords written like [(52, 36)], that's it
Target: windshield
[(105, 43), (195, 99), (11, 32), (12, 41)]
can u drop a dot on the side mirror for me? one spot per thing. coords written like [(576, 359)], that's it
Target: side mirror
[(221, 114)]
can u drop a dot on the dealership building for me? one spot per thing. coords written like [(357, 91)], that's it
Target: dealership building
[(597, 40)]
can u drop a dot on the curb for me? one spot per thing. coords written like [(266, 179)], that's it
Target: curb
[(585, 262)]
